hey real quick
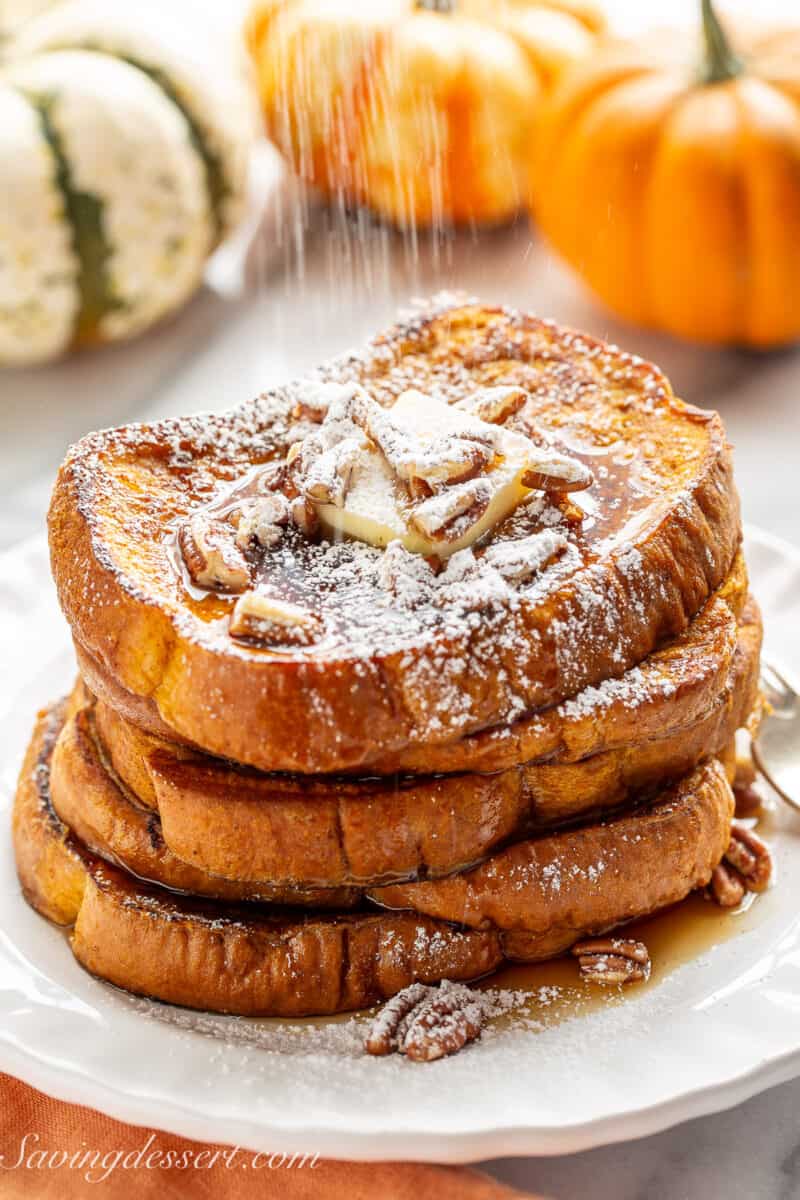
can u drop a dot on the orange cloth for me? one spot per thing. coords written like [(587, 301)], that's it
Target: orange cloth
[(58, 1132)]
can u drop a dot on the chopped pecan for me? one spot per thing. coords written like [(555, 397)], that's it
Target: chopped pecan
[(295, 450), (316, 398), (612, 961), (549, 471), (400, 569), (211, 555), (427, 1023), (302, 455), (448, 459), (407, 577), (328, 476), (263, 521), (519, 561), (448, 515), (270, 478), (495, 404), (299, 431), (274, 622), (304, 516)]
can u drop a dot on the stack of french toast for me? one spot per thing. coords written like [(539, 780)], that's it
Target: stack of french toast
[(430, 660)]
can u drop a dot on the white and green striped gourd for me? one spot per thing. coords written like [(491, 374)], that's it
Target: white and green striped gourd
[(123, 159)]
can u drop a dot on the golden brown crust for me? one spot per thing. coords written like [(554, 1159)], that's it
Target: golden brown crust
[(107, 820), (278, 830), (261, 961), (256, 962), (559, 887), (51, 872), (280, 967), (643, 577), (690, 671), (685, 674), (242, 826)]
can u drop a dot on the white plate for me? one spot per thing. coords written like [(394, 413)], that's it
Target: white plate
[(713, 1032)]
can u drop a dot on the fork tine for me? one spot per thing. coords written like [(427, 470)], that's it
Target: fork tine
[(772, 676), (779, 692)]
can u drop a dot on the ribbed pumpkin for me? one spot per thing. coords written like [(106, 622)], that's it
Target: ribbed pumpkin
[(667, 173), (421, 111), (122, 164)]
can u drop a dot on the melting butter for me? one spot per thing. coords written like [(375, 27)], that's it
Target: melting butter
[(377, 508)]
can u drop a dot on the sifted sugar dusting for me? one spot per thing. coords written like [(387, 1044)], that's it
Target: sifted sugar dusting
[(449, 654)]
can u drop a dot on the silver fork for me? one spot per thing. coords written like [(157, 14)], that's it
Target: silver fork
[(776, 746)]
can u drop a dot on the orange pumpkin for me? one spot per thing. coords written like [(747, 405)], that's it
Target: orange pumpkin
[(667, 173), (422, 111)]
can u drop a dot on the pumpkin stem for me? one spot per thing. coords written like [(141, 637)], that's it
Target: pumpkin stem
[(721, 62), (441, 6)]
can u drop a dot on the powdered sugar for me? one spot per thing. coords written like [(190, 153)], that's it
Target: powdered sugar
[(636, 687), (519, 560), (339, 1037), (454, 666)]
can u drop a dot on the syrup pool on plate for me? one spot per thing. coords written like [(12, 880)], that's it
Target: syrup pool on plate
[(675, 936)]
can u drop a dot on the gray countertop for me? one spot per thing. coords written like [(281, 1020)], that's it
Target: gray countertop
[(751, 1152), (269, 312)]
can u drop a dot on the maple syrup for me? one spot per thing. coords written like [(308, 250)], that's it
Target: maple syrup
[(674, 936)]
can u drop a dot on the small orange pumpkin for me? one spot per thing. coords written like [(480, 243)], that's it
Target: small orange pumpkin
[(667, 173), (421, 110)]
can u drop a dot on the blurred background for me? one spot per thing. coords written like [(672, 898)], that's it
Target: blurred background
[(299, 276)]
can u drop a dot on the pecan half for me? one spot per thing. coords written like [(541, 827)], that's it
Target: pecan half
[(427, 1023), (274, 622), (745, 867), (211, 555), (443, 1024), (726, 886), (383, 1033), (751, 858), (612, 961)]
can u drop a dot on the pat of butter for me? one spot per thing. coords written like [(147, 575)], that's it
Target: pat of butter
[(377, 508)]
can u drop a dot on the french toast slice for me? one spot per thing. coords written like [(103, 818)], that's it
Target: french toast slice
[(105, 817), (261, 961), (222, 958), (630, 864), (214, 821), (645, 546), (674, 686)]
